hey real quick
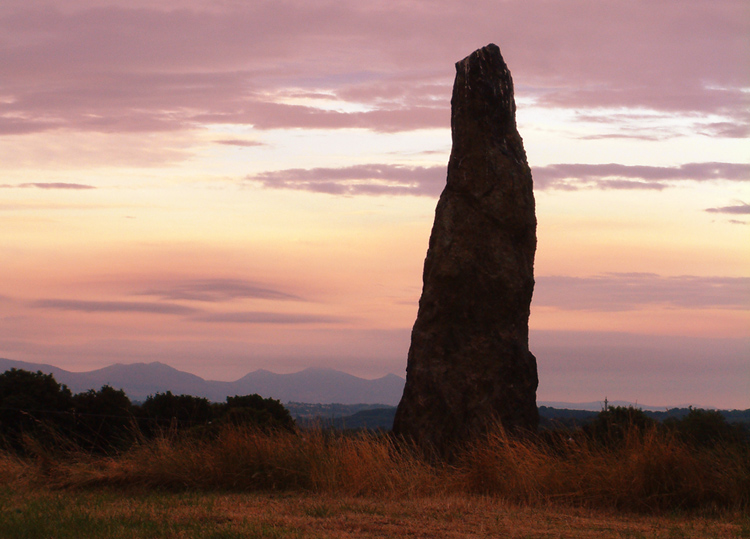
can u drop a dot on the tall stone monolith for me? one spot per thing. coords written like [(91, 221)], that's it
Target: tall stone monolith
[(469, 363)]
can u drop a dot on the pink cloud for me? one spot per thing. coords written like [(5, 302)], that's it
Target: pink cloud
[(239, 142), (112, 306), (632, 291), (379, 179), (147, 67), (742, 208), (217, 290), (616, 176), (49, 185), (370, 179), (257, 317)]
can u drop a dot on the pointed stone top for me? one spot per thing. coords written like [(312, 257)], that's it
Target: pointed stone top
[(483, 92)]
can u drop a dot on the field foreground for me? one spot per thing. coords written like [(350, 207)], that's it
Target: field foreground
[(107, 513), (245, 482)]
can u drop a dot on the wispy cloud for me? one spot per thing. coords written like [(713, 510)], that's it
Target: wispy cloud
[(145, 66), (632, 291), (216, 290), (241, 142), (113, 306), (743, 208), (259, 317), (617, 176), (50, 185), (370, 179), (384, 179)]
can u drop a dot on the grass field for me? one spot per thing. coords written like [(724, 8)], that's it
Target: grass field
[(116, 514), (247, 483)]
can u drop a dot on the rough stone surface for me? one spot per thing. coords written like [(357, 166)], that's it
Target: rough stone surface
[(469, 362)]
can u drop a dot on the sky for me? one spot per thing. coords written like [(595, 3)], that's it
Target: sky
[(225, 186)]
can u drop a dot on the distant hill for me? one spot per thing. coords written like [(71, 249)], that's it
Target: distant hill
[(139, 380), (310, 386), (370, 417), (324, 386), (598, 406)]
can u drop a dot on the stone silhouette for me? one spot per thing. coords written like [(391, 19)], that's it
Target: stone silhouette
[(469, 363)]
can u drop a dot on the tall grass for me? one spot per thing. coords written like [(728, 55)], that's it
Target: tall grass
[(649, 470), (242, 458)]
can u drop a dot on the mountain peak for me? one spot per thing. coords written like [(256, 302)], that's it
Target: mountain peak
[(313, 385)]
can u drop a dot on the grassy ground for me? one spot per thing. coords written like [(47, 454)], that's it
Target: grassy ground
[(247, 483), (41, 513)]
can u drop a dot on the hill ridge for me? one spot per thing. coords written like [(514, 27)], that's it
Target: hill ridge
[(313, 384)]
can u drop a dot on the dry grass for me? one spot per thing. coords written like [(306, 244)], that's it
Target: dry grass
[(15, 471), (247, 459), (648, 472), (108, 514)]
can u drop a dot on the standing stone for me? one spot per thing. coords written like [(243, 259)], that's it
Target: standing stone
[(469, 363)]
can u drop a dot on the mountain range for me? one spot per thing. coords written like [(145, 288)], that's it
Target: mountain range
[(312, 385)]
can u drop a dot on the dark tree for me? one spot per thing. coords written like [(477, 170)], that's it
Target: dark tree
[(257, 411), (32, 403), (103, 419), (185, 410)]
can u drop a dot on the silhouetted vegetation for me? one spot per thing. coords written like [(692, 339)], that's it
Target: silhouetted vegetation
[(621, 459), (103, 419), (267, 414), (650, 470), (707, 428), (614, 423), (32, 403), (35, 408)]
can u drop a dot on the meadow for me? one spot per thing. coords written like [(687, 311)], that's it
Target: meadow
[(248, 482)]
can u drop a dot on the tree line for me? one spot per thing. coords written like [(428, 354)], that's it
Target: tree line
[(33, 405)]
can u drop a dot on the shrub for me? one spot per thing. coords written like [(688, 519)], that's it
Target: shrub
[(168, 411), (705, 428), (32, 403), (613, 424), (257, 411), (103, 419)]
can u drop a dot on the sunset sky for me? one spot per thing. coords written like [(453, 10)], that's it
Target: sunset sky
[(228, 185)]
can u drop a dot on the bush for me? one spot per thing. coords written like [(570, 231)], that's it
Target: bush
[(32, 403), (614, 423), (257, 411), (103, 419), (165, 410), (705, 428), (35, 408)]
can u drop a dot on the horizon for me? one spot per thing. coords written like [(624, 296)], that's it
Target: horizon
[(224, 187), (618, 401)]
